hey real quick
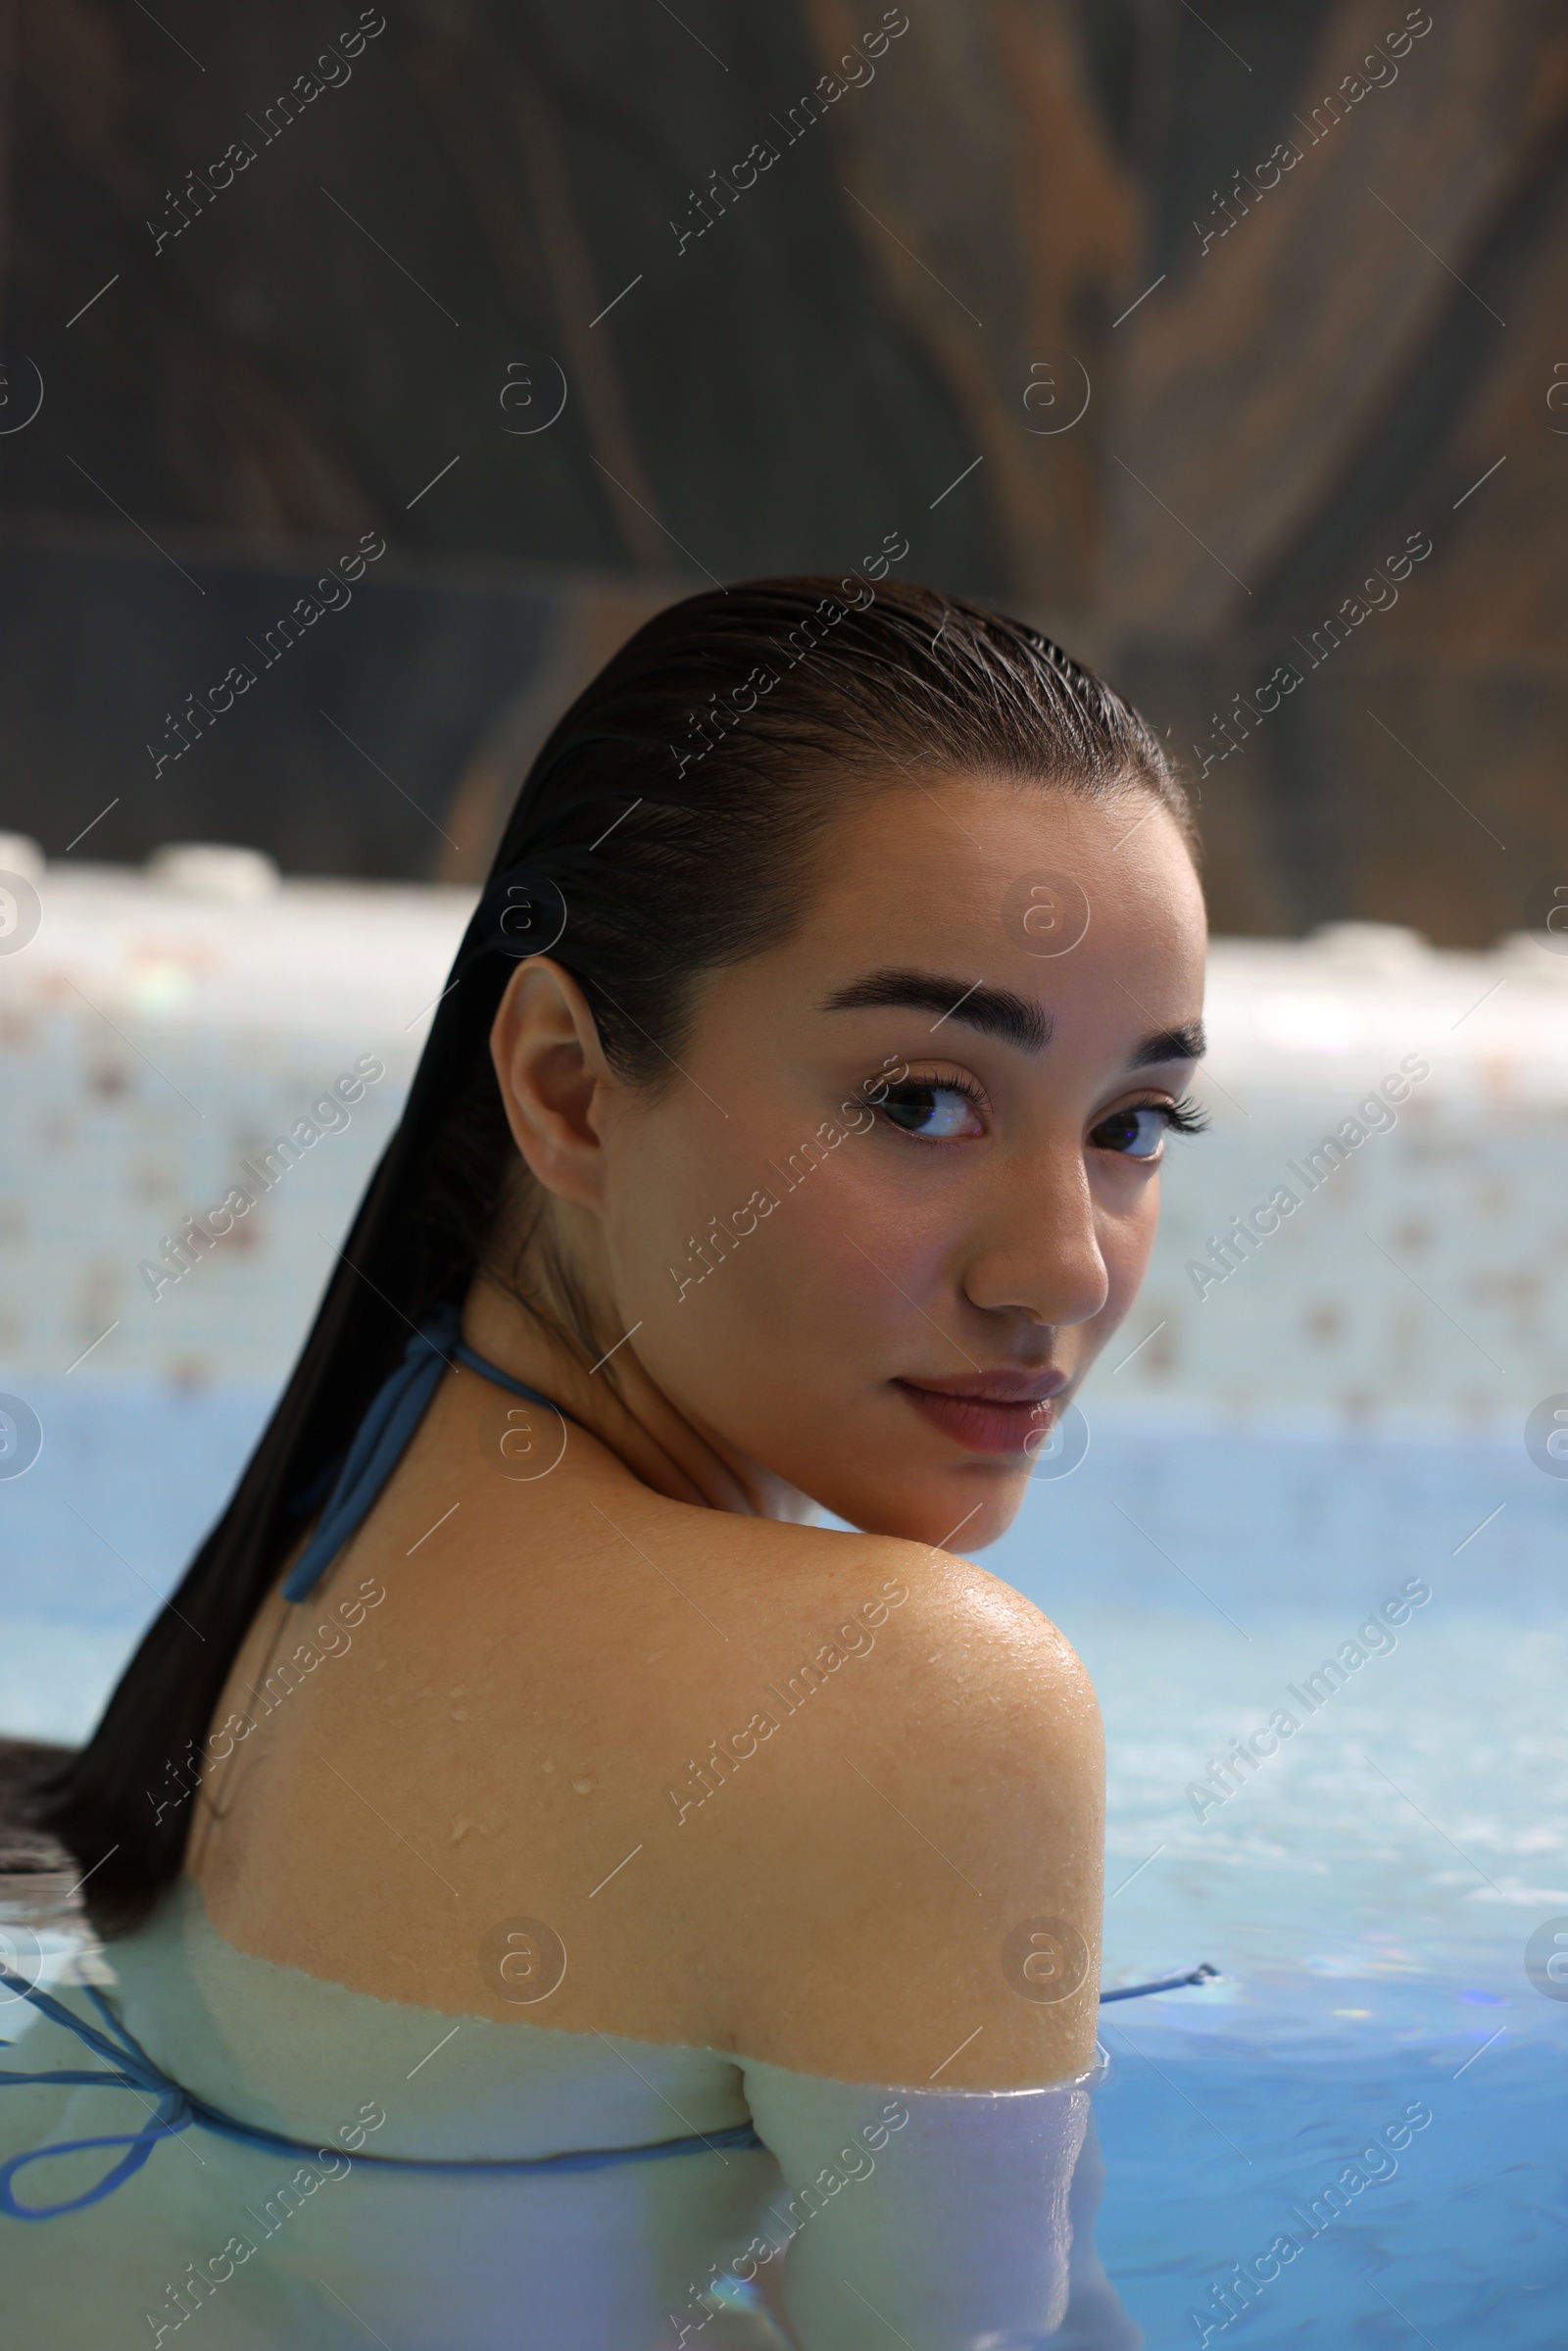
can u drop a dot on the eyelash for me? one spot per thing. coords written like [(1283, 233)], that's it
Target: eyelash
[(1182, 1117), (970, 1088)]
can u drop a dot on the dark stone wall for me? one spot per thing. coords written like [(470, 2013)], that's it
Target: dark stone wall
[(577, 307)]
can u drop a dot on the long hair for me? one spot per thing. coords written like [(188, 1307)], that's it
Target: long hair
[(665, 830)]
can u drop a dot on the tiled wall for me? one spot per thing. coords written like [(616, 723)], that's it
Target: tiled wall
[(153, 1040), (1429, 1270), (155, 1034)]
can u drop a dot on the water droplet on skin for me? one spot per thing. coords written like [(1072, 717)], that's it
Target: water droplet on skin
[(583, 1787), (460, 1830), (547, 1767)]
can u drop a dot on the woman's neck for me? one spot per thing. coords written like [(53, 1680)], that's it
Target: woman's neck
[(634, 1419)]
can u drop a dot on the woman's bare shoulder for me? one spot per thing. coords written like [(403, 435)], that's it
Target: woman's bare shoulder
[(949, 1632), (921, 1777)]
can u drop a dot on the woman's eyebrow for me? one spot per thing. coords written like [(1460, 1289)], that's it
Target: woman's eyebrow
[(1184, 1044), (993, 1012)]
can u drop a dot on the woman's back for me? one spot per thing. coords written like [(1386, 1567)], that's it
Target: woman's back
[(650, 1727)]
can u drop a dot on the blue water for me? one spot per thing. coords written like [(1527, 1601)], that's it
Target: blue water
[(1368, 1890)]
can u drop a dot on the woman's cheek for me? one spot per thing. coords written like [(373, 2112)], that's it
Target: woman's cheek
[(890, 1253), (1126, 1237)]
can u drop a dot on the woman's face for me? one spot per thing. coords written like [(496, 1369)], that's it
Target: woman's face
[(912, 1161)]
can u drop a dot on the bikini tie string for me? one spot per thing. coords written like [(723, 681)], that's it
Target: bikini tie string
[(1203, 1974), (383, 1434), (127, 2065)]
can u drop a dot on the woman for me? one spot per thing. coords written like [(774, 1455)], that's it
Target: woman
[(788, 1136)]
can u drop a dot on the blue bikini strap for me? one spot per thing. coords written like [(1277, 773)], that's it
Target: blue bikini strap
[(1202, 1974), (127, 2065), (379, 1441)]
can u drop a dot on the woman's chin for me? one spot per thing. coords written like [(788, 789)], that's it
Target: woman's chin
[(962, 1507)]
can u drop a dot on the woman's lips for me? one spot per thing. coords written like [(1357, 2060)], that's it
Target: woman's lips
[(982, 1423)]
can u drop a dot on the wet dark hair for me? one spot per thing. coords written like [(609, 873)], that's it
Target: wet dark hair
[(665, 829)]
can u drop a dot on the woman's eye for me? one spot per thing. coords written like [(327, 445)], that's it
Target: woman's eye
[(1137, 1133), (933, 1112)]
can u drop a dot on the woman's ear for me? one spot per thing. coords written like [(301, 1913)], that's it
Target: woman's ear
[(556, 1084)]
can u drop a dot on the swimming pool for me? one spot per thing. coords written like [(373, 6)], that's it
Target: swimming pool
[(1368, 1888)]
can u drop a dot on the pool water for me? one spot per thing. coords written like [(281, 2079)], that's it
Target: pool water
[(1368, 1890), (1367, 1887)]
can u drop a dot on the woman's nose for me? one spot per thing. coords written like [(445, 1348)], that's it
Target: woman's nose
[(1041, 1255)]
